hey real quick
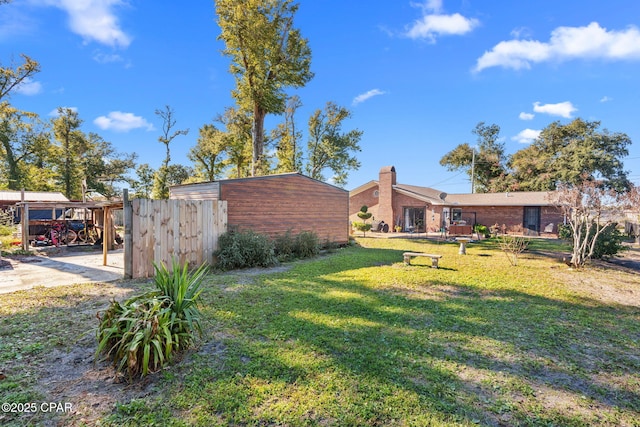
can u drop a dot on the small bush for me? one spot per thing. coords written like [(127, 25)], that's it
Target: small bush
[(142, 334), (609, 241), (6, 230), (242, 249), (482, 230), (513, 246), (361, 226), (303, 245), (307, 245), (284, 245)]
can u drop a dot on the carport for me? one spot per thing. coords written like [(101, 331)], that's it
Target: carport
[(101, 212)]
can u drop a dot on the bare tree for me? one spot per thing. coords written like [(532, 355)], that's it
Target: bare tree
[(589, 209), (161, 188)]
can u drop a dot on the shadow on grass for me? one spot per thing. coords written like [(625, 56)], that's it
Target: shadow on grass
[(47, 345), (456, 353)]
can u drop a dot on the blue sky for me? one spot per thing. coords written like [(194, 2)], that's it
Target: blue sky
[(417, 75)]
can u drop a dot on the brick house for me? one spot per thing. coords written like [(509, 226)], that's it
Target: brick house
[(274, 204), (423, 209)]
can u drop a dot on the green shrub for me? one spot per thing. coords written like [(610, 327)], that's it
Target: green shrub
[(6, 230), (307, 245), (142, 334), (242, 249), (361, 226), (304, 245), (284, 246), (608, 244), (482, 230)]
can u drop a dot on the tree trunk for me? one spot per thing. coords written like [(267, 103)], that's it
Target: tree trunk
[(257, 134)]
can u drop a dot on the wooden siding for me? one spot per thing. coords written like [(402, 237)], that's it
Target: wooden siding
[(163, 229), (273, 204), (201, 191)]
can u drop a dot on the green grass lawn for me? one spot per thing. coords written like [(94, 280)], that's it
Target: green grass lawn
[(356, 338)]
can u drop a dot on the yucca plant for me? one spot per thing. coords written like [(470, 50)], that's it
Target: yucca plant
[(142, 334), (182, 288)]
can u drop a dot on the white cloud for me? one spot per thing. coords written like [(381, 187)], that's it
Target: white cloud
[(526, 136), (94, 20), (562, 109), (434, 23), (526, 116), (28, 87), (369, 94), (565, 43), (122, 122), (105, 58), (606, 99)]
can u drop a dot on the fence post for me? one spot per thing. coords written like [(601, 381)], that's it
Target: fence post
[(128, 242)]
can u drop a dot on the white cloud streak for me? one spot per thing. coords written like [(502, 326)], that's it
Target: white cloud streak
[(565, 43), (562, 109), (122, 122), (434, 23), (367, 95), (526, 136), (94, 20), (526, 116), (28, 87)]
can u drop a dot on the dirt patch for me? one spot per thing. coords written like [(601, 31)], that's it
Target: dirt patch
[(92, 387)]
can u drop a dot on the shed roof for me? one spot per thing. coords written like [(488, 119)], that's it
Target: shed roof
[(32, 196), (263, 177)]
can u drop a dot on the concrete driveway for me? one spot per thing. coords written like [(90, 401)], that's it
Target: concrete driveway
[(66, 267)]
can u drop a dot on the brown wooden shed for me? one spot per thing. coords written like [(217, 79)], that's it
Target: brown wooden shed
[(274, 204)]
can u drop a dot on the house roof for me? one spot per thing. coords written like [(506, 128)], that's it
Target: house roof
[(437, 197), (426, 194), (32, 196), (516, 198)]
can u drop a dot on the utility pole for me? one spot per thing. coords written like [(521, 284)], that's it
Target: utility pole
[(473, 169)]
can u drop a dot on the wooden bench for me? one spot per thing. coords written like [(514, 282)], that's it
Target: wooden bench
[(434, 258)]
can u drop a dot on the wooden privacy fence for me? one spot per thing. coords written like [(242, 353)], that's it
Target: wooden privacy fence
[(163, 229)]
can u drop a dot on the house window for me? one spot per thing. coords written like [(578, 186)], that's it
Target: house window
[(376, 193), (456, 214)]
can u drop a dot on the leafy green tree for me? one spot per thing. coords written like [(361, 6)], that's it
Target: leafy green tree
[(590, 210), (104, 167), (175, 174), (209, 153), (486, 168), (237, 139), (569, 154), (70, 148), (268, 54), (162, 177), (11, 77), (143, 185), (329, 147), (22, 139), (287, 137)]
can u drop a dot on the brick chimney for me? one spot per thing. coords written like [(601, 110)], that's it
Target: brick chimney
[(385, 201)]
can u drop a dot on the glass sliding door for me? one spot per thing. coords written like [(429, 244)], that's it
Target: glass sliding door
[(414, 219), (531, 219)]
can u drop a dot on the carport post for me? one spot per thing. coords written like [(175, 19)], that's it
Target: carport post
[(104, 234), (128, 244), (25, 226)]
